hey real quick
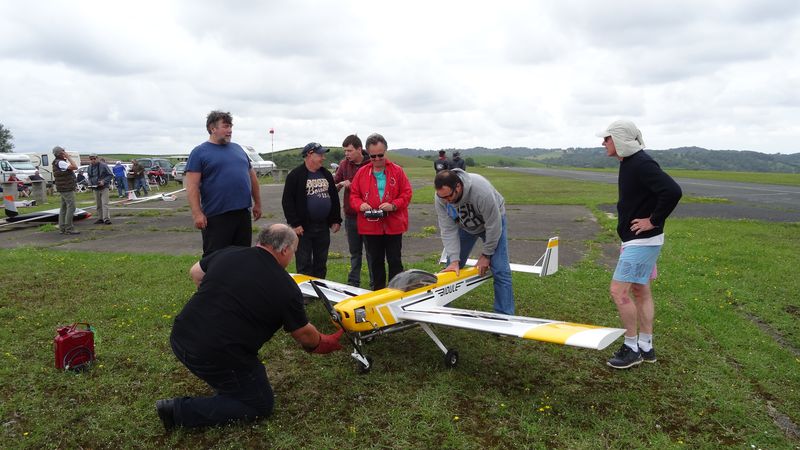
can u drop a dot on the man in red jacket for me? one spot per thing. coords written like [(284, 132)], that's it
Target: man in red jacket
[(381, 193)]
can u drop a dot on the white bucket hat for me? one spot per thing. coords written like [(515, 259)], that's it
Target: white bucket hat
[(627, 137)]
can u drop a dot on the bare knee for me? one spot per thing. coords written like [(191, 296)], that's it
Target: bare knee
[(619, 292)]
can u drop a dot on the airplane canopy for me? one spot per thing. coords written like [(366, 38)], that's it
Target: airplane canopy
[(412, 279)]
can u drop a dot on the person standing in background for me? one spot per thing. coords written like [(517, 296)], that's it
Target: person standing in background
[(647, 196), (354, 158), (222, 187), (381, 193)]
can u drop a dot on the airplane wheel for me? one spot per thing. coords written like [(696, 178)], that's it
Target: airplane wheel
[(362, 369), (451, 358)]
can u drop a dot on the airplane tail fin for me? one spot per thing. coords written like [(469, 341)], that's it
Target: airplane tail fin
[(546, 265), (10, 206)]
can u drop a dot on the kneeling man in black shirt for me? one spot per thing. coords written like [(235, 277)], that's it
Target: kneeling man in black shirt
[(244, 295)]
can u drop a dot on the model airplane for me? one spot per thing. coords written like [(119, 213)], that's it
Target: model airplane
[(419, 298), (51, 215)]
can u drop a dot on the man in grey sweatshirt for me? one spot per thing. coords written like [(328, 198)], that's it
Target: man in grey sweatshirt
[(469, 207)]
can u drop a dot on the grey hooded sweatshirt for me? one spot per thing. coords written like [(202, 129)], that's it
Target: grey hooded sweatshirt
[(481, 208)]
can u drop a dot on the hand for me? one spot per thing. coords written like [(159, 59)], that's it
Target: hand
[(483, 264), (387, 207), (365, 207), (328, 342), (200, 221), (298, 230), (641, 225), (335, 227), (453, 267), (256, 211)]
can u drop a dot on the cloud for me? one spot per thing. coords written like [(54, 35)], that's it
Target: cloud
[(142, 76)]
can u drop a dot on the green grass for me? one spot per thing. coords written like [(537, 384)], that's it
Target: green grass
[(727, 333), (786, 179)]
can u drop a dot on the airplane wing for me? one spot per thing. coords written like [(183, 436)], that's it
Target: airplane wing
[(556, 332), (46, 216), (335, 292)]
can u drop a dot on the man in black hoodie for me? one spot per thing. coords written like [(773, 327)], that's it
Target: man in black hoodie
[(311, 206), (647, 196)]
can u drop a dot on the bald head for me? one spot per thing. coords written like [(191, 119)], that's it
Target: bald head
[(277, 236)]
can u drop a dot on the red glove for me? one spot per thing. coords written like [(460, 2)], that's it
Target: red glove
[(328, 342)]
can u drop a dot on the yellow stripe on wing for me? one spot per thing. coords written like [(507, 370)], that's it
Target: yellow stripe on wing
[(557, 332), (300, 278)]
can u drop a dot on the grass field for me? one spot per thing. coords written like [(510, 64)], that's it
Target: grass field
[(727, 333)]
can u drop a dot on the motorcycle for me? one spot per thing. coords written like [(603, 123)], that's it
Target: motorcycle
[(156, 175)]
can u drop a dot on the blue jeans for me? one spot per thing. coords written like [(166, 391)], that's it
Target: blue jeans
[(141, 183), (122, 185), (242, 392), (501, 270)]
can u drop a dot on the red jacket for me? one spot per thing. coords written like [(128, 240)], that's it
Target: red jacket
[(364, 188)]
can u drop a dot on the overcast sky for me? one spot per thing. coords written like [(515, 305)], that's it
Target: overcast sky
[(140, 77)]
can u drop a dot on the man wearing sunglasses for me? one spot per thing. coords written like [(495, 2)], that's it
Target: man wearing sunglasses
[(381, 192), (479, 213)]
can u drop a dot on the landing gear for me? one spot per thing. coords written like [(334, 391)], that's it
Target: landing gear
[(362, 368), (451, 358)]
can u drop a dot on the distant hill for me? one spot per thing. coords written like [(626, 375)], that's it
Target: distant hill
[(693, 158)]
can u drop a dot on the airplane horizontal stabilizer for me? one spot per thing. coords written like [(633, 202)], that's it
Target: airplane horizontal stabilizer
[(335, 292), (546, 265)]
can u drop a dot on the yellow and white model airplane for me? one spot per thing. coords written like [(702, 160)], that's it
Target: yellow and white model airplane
[(419, 298)]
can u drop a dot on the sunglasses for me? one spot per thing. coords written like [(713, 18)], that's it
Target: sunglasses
[(376, 156), (447, 197)]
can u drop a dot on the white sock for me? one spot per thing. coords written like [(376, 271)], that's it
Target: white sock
[(645, 342), (630, 341)]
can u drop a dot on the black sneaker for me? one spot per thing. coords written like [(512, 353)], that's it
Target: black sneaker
[(649, 357), (166, 410), (625, 358), (107, 221), (98, 221), (70, 232)]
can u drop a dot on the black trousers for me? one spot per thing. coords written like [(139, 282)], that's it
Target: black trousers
[(241, 392), (311, 257), (230, 228), (380, 248)]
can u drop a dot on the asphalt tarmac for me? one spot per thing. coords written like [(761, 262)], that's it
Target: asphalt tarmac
[(166, 227)]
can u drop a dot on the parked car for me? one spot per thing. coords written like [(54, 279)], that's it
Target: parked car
[(179, 171), (261, 166), (150, 163)]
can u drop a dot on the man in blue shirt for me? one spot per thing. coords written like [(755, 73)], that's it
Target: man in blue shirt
[(221, 187)]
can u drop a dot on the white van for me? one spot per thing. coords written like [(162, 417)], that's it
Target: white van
[(44, 162), (261, 166), (18, 164)]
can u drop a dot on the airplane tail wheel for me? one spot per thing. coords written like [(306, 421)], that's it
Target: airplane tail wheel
[(362, 369), (451, 358)]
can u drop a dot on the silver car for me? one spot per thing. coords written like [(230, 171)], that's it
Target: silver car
[(178, 171)]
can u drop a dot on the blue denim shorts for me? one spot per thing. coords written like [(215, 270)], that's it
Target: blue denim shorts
[(637, 264)]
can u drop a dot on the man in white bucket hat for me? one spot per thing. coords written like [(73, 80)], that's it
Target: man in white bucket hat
[(647, 196)]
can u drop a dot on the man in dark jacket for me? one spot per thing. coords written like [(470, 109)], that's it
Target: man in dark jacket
[(244, 296), (311, 206), (647, 196), (100, 177)]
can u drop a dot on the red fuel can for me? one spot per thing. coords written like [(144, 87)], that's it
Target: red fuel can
[(74, 346)]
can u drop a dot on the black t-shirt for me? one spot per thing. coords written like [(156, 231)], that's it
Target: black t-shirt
[(244, 298)]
